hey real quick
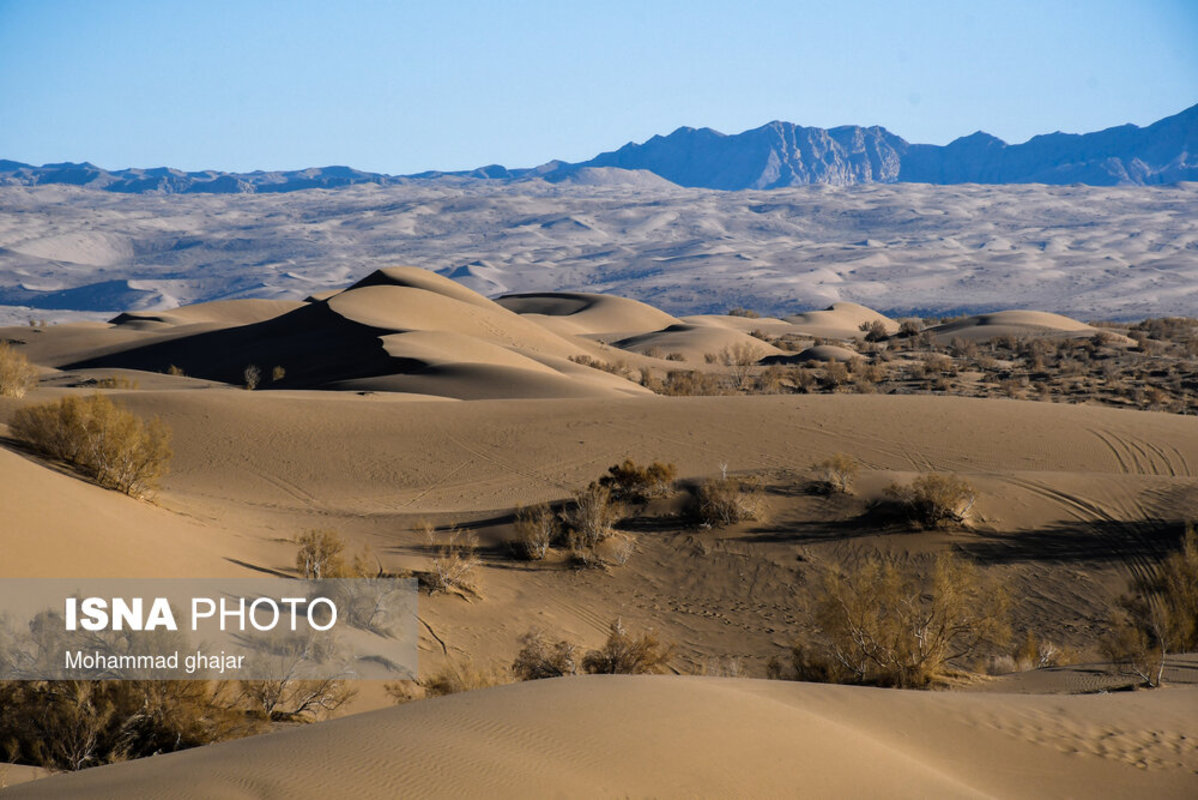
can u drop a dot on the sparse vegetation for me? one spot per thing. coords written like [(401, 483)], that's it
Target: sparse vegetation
[(837, 473), (100, 439), (934, 500), (72, 725), (880, 622), (277, 374), (591, 517), (540, 657), (726, 501), (455, 562), (536, 530), (626, 654), (17, 374), (1158, 616), (628, 481), (252, 376)]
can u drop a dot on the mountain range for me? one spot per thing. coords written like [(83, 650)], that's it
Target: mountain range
[(773, 156)]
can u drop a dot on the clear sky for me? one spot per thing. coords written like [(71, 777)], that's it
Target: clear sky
[(401, 87)]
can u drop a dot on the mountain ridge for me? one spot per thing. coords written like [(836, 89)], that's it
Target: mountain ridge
[(775, 155)]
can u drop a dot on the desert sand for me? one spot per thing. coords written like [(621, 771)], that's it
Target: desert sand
[(408, 398), (908, 249)]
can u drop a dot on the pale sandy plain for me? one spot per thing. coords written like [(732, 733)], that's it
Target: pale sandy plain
[(409, 398), (1092, 252)]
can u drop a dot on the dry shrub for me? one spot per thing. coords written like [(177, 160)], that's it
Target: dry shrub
[(277, 374), (628, 481), (690, 383), (874, 331), (100, 439), (539, 657), (726, 501), (175, 370), (17, 374), (292, 699), (835, 374), (883, 623), (455, 563), (464, 676), (625, 654), (740, 358), (747, 313), (934, 500), (321, 555), (1158, 616), (536, 530), (252, 375), (71, 725), (836, 473), (591, 516)]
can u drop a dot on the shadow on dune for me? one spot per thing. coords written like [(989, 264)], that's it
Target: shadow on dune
[(315, 345), (1143, 542)]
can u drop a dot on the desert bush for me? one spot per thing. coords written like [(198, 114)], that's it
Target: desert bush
[(747, 313), (539, 657), (874, 331), (675, 356), (725, 501), (320, 554), (277, 374), (836, 473), (1158, 616), (934, 500), (591, 516), (835, 374), (455, 563), (909, 328), (291, 699), (628, 481), (883, 623), (252, 376), (17, 374), (625, 654), (536, 530), (740, 358), (464, 676), (175, 370), (101, 439), (114, 382), (71, 725), (690, 383)]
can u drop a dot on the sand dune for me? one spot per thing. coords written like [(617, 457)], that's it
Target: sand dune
[(1014, 323), (401, 329), (455, 409), (594, 314), (695, 342), (1090, 252), (700, 737), (840, 321)]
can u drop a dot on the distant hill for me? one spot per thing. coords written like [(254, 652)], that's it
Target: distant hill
[(776, 155)]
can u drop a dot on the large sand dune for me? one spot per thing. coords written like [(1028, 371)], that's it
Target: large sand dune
[(699, 737), (453, 409)]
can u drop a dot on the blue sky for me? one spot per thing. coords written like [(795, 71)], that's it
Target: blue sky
[(402, 87)]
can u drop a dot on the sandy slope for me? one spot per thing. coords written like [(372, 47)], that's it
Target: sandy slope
[(1073, 500), (697, 737)]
